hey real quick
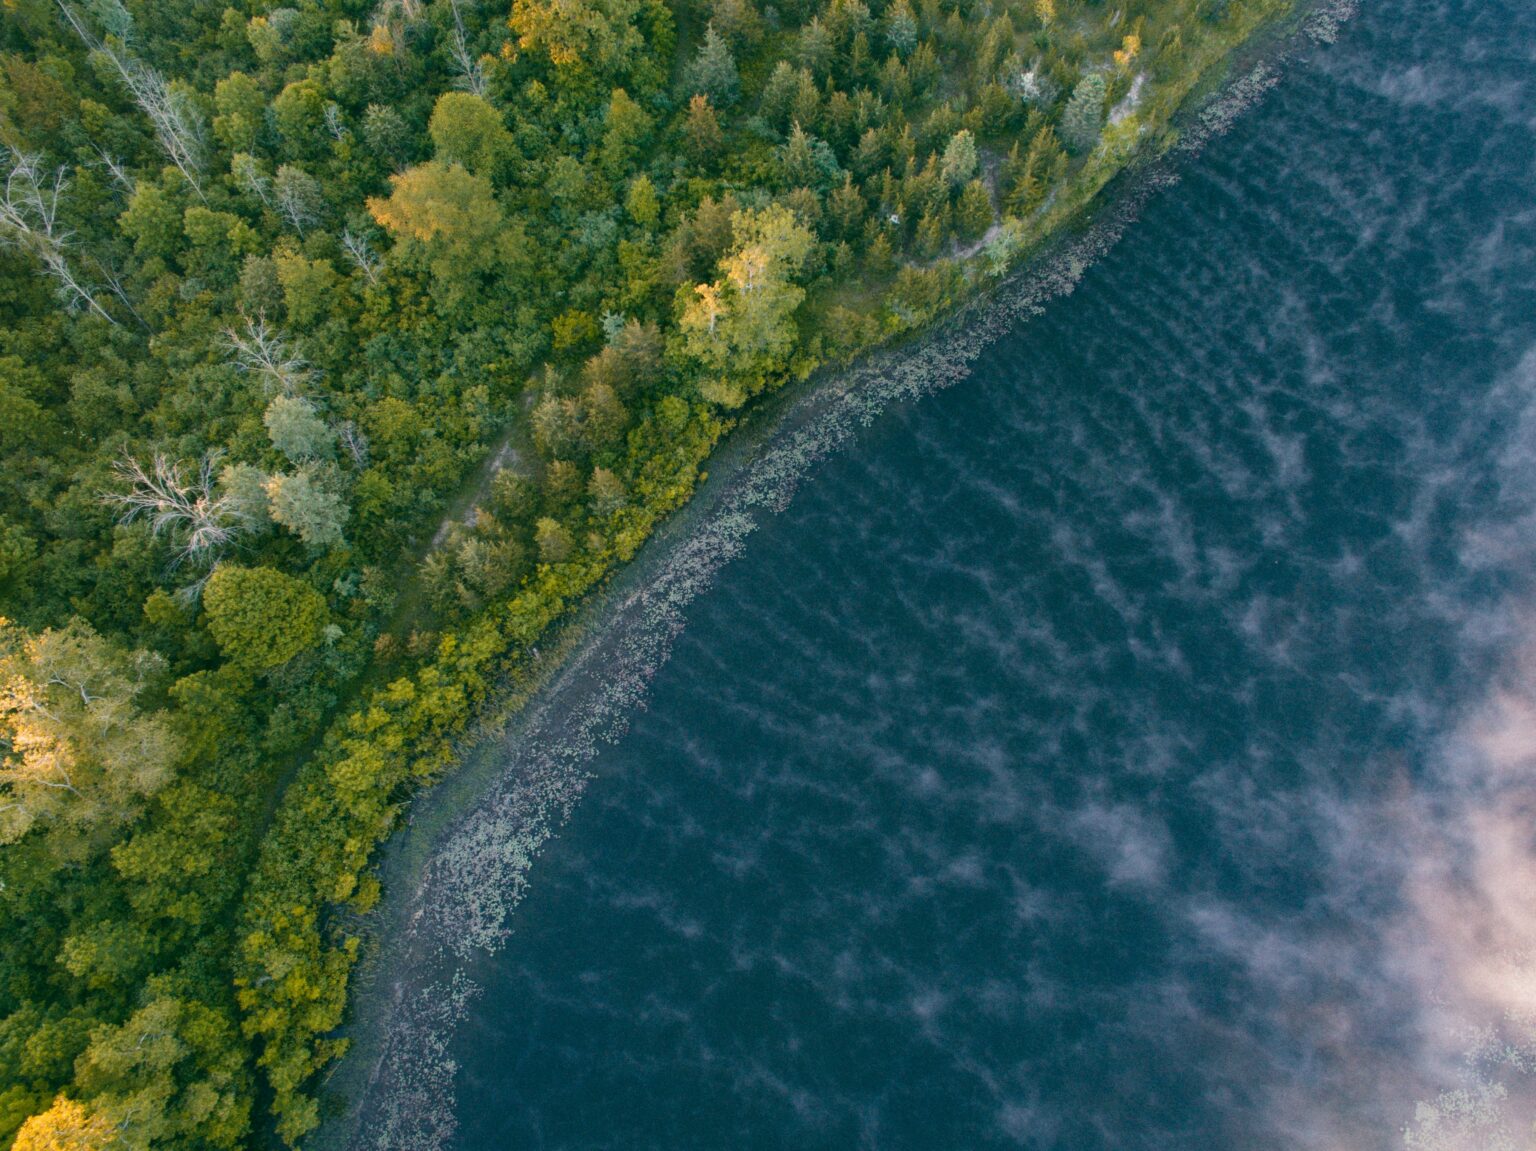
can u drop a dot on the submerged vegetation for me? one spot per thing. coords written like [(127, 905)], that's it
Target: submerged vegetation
[(276, 281)]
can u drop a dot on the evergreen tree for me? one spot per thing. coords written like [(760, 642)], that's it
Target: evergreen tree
[(1033, 175), (973, 214), (701, 132), (712, 72), (900, 28), (1083, 121), (960, 159)]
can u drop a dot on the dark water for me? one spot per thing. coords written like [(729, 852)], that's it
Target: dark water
[(1103, 753)]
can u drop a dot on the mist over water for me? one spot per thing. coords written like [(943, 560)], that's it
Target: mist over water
[(1134, 746)]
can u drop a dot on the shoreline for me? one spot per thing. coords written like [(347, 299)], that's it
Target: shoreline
[(455, 870)]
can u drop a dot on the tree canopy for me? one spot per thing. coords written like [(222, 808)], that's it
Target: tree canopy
[(261, 617)]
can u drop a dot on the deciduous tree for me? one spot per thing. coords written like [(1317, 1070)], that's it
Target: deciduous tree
[(66, 1126), (448, 214), (297, 430), (78, 751), (574, 34), (307, 504), (467, 130), (262, 618)]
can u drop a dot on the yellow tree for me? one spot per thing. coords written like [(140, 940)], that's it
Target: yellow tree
[(66, 1126), (77, 751), (741, 329), (575, 34), (448, 216)]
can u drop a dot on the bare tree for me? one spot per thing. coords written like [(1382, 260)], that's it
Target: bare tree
[(362, 254), (178, 124), (188, 507), (29, 220), (298, 197), (108, 272), (115, 166), (355, 442), (389, 13), (250, 178), (334, 124), (471, 76), (262, 349)]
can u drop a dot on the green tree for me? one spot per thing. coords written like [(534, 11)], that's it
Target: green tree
[(309, 286), (625, 129), (815, 48), (241, 108), (297, 430), (298, 113), (606, 491), (260, 617), (603, 417), (641, 203), (554, 541), (153, 220), (701, 132), (960, 163), (466, 130), (387, 135), (172, 1075), (808, 162), (900, 28), (556, 426), (712, 72), (306, 503), (779, 95), (846, 207), (973, 214), (245, 487), (1083, 121), (1042, 166)]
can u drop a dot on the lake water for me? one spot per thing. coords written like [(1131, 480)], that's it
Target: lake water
[(1127, 748)]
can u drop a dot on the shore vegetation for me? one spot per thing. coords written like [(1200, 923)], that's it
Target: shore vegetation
[(345, 345)]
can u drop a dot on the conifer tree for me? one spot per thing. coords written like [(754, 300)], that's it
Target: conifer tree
[(712, 72), (1083, 121)]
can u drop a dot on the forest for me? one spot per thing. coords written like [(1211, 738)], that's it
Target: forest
[(344, 346)]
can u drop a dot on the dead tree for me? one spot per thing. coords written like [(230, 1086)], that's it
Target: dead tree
[(261, 349), (189, 508), (361, 253), (471, 76), (29, 220), (177, 123)]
